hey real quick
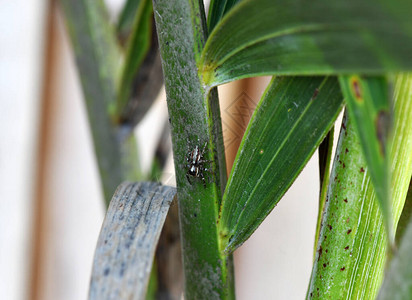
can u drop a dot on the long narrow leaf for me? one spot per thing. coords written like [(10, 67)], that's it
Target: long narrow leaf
[(352, 237), (141, 76), (352, 245), (291, 120), (94, 44), (401, 152), (299, 37), (126, 18), (97, 58), (128, 239), (368, 104)]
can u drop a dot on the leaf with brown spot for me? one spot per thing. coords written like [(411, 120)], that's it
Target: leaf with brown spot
[(369, 107)]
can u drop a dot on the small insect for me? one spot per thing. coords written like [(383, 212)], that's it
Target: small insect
[(195, 164)]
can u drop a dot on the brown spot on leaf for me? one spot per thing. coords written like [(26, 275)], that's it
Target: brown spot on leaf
[(347, 247), (319, 252), (324, 265), (349, 231), (315, 94), (345, 200), (362, 170), (346, 150), (342, 269), (356, 88), (330, 227)]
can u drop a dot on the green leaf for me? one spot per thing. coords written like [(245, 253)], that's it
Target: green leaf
[(126, 18), (217, 9), (95, 47), (291, 120), (352, 237), (97, 58), (368, 104), (298, 37), (134, 99), (405, 216), (398, 279), (353, 233), (127, 242), (401, 152)]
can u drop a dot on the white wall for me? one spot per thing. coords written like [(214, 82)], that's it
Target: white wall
[(21, 48)]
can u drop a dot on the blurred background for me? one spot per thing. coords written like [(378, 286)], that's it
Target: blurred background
[(51, 199)]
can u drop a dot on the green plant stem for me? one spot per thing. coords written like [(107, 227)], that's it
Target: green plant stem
[(97, 59), (195, 122)]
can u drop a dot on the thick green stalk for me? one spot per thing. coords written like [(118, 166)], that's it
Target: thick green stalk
[(195, 125)]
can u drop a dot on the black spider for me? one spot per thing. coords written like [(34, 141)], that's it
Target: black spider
[(195, 165)]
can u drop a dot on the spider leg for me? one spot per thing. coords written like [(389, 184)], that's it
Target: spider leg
[(188, 178), (203, 179), (204, 148)]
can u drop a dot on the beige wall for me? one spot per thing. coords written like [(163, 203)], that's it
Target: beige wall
[(21, 52)]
